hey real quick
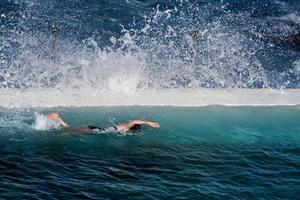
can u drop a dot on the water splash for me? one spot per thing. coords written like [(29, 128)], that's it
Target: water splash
[(159, 52), (43, 123)]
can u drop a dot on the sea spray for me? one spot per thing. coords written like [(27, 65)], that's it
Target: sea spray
[(151, 51)]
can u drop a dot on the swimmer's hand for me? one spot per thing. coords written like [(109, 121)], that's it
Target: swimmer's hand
[(154, 124)]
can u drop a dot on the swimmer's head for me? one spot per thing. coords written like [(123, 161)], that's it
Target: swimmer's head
[(54, 116)]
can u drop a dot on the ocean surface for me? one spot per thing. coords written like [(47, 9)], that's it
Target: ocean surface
[(212, 152), (78, 57)]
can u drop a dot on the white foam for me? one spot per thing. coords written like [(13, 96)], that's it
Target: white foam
[(43, 123), (162, 97), (292, 17), (296, 66)]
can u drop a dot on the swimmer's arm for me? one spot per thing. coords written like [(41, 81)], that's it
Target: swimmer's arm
[(132, 124), (64, 124), (142, 122)]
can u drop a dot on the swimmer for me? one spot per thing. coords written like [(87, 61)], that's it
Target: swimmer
[(122, 128)]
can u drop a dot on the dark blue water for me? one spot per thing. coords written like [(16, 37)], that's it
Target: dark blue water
[(211, 152)]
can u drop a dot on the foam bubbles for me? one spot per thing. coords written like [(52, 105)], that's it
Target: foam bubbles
[(296, 65), (292, 17)]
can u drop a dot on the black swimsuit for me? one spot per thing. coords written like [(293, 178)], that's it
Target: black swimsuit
[(97, 129)]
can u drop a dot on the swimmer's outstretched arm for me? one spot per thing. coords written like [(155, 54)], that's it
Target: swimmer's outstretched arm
[(148, 123), (127, 127)]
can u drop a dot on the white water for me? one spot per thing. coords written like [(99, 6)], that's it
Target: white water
[(138, 66), (43, 123), (162, 54), (163, 97)]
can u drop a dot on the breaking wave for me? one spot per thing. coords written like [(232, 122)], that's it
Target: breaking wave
[(131, 45)]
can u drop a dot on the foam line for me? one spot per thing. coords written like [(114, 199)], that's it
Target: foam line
[(163, 97)]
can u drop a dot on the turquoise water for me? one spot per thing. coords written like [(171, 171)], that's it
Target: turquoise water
[(199, 152)]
